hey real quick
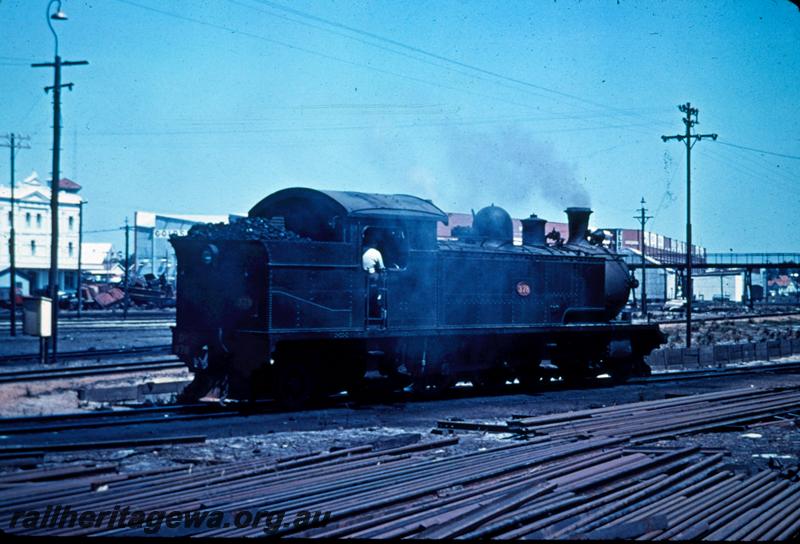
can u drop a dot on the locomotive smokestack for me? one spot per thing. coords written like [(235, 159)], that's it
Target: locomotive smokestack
[(578, 219), (533, 231)]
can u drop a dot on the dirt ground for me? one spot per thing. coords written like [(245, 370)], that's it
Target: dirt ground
[(36, 398)]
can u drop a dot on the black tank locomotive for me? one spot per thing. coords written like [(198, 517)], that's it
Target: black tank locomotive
[(278, 304)]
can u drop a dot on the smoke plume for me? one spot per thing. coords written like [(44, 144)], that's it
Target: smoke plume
[(509, 165)]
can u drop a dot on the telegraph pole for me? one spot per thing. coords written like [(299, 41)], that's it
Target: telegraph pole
[(689, 139), (14, 142), (127, 267), (80, 256), (54, 185), (642, 218)]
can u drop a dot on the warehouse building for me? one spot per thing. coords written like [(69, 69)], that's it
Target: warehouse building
[(153, 254)]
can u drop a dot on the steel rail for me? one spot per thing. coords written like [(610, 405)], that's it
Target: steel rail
[(557, 488), (88, 354), (20, 376)]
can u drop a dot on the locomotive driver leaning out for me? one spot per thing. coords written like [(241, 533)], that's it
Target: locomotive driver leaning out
[(372, 262)]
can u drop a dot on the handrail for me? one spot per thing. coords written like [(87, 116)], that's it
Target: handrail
[(764, 260)]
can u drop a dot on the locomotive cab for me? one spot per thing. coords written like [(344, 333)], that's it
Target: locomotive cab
[(403, 228)]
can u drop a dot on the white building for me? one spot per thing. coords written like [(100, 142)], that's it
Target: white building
[(720, 285), (32, 226), (98, 262)]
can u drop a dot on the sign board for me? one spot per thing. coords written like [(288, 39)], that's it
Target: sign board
[(166, 233), (38, 316)]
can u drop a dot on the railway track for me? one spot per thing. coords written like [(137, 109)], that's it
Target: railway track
[(207, 410), (101, 325), (88, 354), (28, 375), (596, 474), (681, 375), (133, 416)]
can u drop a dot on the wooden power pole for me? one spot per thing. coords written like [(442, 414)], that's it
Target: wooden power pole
[(689, 139)]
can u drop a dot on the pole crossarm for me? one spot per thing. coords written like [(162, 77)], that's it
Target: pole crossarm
[(17, 141), (63, 63)]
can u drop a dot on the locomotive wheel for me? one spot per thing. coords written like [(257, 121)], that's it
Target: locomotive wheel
[(431, 385), (294, 384), (574, 373), (530, 378), (197, 389), (620, 370), (490, 381)]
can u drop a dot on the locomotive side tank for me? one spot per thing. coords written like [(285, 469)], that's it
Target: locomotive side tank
[(279, 304)]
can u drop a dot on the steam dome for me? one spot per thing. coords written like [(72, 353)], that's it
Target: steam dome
[(494, 223)]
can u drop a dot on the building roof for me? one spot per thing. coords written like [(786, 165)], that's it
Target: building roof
[(148, 219), (33, 190), (94, 254), (67, 184)]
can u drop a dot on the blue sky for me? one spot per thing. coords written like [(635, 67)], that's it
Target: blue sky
[(206, 107)]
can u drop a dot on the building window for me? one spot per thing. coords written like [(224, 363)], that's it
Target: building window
[(33, 247), (71, 222), (38, 220), (69, 247), (28, 219)]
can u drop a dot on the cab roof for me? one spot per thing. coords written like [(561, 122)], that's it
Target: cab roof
[(287, 202)]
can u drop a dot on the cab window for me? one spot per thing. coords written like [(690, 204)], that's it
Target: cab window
[(391, 242)]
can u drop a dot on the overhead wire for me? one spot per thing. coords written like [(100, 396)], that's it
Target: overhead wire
[(443, 58), (746, 171), (448, 63), (326, 128), (738, 146), (617, 111), (317, 53), (755, 163), (768, 170)]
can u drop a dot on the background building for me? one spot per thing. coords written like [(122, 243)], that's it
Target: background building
[(662, 283), (99, 263), (32, 226), (153, 254)]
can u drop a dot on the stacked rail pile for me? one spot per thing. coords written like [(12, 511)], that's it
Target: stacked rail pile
[(542, 489), (659, 419), (649, 421), (570, 483)]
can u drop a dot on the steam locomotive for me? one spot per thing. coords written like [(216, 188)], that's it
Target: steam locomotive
[(278, 303)]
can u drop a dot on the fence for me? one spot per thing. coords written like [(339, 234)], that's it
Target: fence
[(721, 355)]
